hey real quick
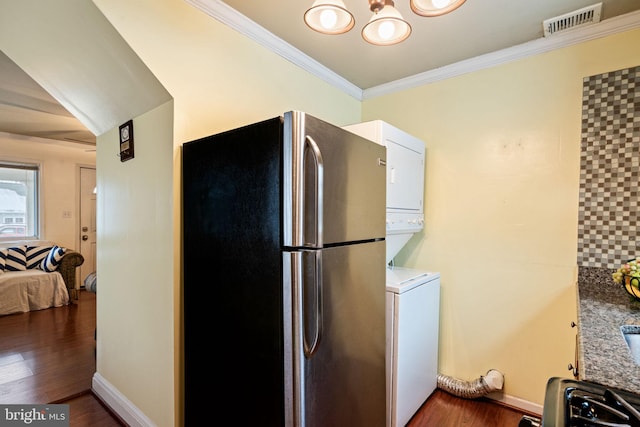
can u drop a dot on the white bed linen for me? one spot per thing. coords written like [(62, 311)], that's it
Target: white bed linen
[(22, 291)]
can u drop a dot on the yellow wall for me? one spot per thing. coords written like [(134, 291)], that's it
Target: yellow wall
[(502, 180), (501, 195), (219, 79), (136, 352), (503, 147)]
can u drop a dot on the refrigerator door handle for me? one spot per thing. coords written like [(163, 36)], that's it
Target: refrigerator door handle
[(310, 348), (316, 218)]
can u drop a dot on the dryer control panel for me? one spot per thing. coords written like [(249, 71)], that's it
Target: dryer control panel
[(404, 222)]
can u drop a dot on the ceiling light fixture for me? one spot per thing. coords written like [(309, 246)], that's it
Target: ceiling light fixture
[(434, 7), (329, 17), (386, 26)]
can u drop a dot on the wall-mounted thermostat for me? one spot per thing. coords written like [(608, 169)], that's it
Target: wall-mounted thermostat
[(126, 141)]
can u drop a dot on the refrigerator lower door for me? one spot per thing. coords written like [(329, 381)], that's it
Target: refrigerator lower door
[(337, 374)]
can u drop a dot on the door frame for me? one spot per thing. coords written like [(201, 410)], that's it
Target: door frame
[(78, 231)]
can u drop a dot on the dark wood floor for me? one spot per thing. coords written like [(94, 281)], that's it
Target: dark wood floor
[(445, 410), (48, 356)]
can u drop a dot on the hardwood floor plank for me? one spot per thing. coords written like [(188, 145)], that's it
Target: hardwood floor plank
[(442, 409), (48, 356), (56, 345), (86, 410)]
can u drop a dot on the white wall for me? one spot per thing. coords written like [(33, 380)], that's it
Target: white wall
[(59, 166)]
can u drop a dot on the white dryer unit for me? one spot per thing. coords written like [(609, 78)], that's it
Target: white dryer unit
[(413, 296), (405, 180)]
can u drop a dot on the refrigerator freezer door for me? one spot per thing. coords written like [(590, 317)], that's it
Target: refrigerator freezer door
[(342, 381), (334, 184)]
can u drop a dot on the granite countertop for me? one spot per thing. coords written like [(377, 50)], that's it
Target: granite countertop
[(603, 354)]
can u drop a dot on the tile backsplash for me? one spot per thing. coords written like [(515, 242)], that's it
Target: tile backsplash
[(609, 207)]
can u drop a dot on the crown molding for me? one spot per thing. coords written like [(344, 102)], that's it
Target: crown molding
[(233, 19), (605, 28)]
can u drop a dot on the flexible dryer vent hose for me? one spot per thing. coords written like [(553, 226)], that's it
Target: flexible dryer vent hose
[(472, 389)]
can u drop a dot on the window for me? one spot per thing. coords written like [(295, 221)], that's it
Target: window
[(19, 208)]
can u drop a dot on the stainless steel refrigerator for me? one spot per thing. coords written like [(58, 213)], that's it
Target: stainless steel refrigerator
[(284, 276)]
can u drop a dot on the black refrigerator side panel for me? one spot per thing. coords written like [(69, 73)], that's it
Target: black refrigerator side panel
[(233, 294)]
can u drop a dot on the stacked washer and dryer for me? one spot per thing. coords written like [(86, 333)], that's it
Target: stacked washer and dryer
[(413, 296)]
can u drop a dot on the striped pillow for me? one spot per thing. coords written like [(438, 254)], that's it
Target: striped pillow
[(16, 259), (3, 259), (35, 255), (52, 260)]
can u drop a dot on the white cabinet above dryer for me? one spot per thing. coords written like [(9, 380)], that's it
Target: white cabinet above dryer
[(405, 173), (405, 180)]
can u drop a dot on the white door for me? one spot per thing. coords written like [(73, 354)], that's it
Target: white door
[(87, 221)]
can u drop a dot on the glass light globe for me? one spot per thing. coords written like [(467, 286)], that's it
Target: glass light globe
[(386, 30), (328, 18), (441, 3), (386, 27), (434, 7)]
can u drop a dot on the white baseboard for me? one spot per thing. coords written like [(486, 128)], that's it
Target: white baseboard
[(516, 402), (119, 403), (136, 418)]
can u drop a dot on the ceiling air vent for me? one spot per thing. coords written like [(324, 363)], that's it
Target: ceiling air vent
[(585, 16)]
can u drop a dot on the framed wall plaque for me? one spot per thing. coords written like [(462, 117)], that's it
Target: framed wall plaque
[(126, 141)]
